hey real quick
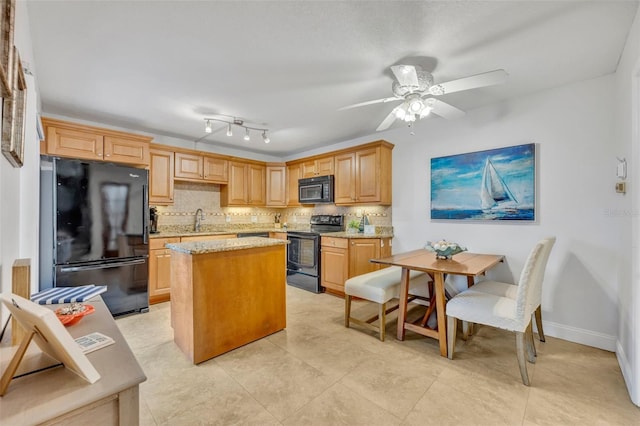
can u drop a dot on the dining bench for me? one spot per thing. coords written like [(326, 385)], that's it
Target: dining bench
[(380, 287)]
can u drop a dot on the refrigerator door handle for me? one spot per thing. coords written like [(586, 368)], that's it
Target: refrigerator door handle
[(102, 265), (145, 213)]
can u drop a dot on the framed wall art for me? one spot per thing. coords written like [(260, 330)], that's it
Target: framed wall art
[(13, 114), (497, 184), (7, 20)]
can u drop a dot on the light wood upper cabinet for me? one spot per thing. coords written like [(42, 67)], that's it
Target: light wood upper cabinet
[(364, 176), (318, 167), (294, 173), (161, 164), (257, 184), (276, 185), (345, 179), (215, 169), (66, 139), (247, 185), (197, 167), (189, 166)]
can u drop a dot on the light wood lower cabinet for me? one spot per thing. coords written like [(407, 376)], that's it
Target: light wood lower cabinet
[(343, 258), (160, 269), (160, 264)]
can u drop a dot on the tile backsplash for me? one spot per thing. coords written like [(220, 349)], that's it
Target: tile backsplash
[(188, 197)]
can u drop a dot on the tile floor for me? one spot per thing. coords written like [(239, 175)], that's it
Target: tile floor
[(317, 372)]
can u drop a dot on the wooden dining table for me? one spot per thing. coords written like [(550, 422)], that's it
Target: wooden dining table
[(465, 264)]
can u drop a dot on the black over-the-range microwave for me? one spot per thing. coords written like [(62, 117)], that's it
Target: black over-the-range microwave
[(316, 190)]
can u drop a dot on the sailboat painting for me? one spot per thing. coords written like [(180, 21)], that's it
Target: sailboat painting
[(497, 184)]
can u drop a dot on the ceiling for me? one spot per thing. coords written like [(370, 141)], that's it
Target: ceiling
[(163, 66)]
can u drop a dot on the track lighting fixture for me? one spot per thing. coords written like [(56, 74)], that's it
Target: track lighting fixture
[(232, 121)]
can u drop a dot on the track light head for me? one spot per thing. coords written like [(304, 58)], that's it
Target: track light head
[(229, 131), (246, 134), (265, 137), (207, 126)]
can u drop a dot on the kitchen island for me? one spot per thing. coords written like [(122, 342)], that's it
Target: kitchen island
[(226, 293)]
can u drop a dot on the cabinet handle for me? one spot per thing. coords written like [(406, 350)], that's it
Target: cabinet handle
[(99, 154), (381, 243)]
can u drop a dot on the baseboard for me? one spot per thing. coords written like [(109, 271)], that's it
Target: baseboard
[(580, 335), (627, 373)]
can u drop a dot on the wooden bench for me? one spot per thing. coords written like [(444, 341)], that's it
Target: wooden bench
[(380, 287)]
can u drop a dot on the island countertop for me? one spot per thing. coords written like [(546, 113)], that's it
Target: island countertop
[(228, 244)]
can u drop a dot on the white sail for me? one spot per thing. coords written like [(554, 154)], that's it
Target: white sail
[(493, 191)]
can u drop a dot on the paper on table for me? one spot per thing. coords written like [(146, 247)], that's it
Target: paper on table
[(93, 341)]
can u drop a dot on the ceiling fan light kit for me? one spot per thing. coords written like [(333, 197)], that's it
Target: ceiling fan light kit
[(239, 123), (415, 88)]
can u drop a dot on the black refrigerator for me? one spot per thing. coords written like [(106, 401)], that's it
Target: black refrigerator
[(94, 229)]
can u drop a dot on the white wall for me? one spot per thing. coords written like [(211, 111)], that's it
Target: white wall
[(627, 142), (572, 129), (19, 205)]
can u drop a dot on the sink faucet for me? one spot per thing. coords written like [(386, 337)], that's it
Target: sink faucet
[(196, 225)]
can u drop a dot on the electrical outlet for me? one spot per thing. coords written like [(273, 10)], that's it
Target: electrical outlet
[(227, 218), (359, 213), (254, 219)]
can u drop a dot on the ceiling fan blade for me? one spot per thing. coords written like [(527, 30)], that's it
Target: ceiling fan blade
[(479, 80), (445, 110), (389, 119), (377, 101), (406, 75)]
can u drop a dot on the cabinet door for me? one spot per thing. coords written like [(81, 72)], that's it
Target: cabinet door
[(236, 192), (160, 176), (294, 173), (74, 143), (188, 166), (385, 250), (308, 169), (345, 179), (324, 166), (368, 176), (360, 251), (276, 186), (127, 151), (334, 268), (159, 275), (215, 169), (257, 186)]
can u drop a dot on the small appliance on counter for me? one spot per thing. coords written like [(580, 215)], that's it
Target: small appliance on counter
[(153, 219)]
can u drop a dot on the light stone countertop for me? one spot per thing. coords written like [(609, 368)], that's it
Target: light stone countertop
[(229, 244), (344, 234)]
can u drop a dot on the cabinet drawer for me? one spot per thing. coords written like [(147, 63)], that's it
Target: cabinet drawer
[(158, 243), (334, 242)]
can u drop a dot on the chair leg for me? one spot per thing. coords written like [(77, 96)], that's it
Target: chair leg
[(382, 317), (531, 347), (538, 315), (347, 309), (520, 344), (466, 330), (452, 324)]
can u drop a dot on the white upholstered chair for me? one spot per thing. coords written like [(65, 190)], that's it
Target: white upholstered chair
[(508, 313), (380, 287)]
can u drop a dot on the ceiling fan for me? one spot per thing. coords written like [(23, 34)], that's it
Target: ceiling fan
[(415, 87)]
